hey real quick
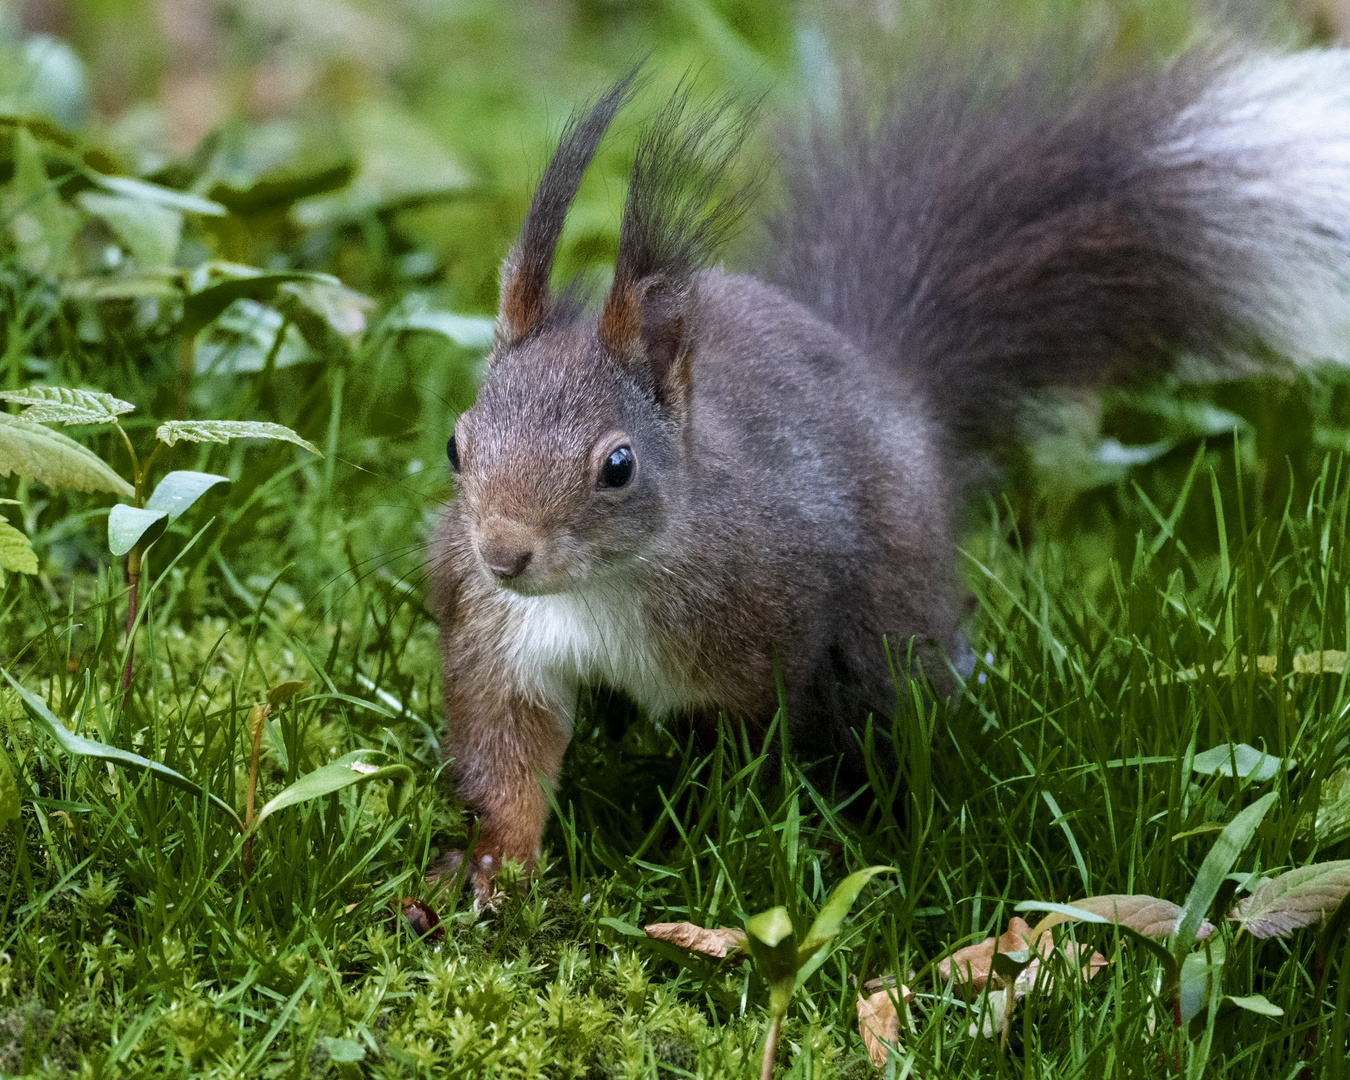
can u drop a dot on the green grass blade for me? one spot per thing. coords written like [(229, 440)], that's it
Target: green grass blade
[(1217, 865), (343, 773), (79, 746)]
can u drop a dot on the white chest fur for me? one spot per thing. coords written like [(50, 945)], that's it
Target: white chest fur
[(558, 643)]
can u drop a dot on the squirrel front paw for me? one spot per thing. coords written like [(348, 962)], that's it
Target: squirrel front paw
[(481, 874)]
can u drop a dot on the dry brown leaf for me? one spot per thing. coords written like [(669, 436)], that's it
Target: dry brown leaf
[(422, 919), (879, 1023), (717, 942), (973, 965), (1147, 915)]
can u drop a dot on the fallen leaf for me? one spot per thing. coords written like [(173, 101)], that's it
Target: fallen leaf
[(972, 967), (422, 920), (879, 1023), (717, 942), (1293, 900), (1147, 915)]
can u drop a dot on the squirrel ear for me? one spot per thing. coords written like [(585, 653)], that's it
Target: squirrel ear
[(524, 292), (646, 325)]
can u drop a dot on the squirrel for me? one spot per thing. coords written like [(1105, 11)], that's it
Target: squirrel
[(722, 493)]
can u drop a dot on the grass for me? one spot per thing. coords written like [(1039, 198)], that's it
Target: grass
[(133, 946), (1132, 565)]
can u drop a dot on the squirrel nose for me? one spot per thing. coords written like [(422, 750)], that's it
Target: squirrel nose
[(507, 562)]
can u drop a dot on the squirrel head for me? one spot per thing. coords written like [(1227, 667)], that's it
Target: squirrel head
[(569, 463)]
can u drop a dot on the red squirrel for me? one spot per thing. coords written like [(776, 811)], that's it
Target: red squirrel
[(722, 491)]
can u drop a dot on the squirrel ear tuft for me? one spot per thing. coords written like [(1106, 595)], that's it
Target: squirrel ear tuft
[(646, 323), (524, 290)]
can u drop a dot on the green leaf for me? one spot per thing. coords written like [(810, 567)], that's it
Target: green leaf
[(9, 792), (774, 947), (1200, 977), (466, 331), (1294, 900), (1251, 763), (1218, 863), (221, 431), (343, 1050), (128, 527), (625, 928), (204, 304), (16, 550), (38, 453), (830, 918), (179, 490), (57, 404), (323, 308), (244, 337), (343, 773), (78, 746), (145, 192), (150, 231), (1256, 1003), (1331, 823), (42, 225)]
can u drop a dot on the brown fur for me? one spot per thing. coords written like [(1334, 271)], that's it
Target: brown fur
[(797, 448)]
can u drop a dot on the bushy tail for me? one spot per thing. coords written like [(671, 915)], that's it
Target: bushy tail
[(995, 245)]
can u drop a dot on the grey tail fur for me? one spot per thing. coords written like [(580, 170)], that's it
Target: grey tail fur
[(994, 245)]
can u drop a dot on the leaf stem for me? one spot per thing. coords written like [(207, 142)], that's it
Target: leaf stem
[(770, 1047), (256, 719), (135, 461), (134, 563)]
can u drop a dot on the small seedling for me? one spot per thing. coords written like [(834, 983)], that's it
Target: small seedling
[(784, 963)]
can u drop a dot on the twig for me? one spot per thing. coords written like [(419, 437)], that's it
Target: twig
[(256, 718)]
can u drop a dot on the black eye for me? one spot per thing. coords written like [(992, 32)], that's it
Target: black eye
[(452, 452), (618, 468)]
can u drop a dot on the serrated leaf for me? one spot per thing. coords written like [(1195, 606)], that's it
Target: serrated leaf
[(16, 550), (1251, 763), (1331, 823), (343, 773), (180, 489), (1147, 915), (79, 746), (221, 431), (128, 526), (58, 404), (1293, 900), (38, 453)]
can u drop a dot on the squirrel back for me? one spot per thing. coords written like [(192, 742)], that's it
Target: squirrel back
[(722, 495)]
